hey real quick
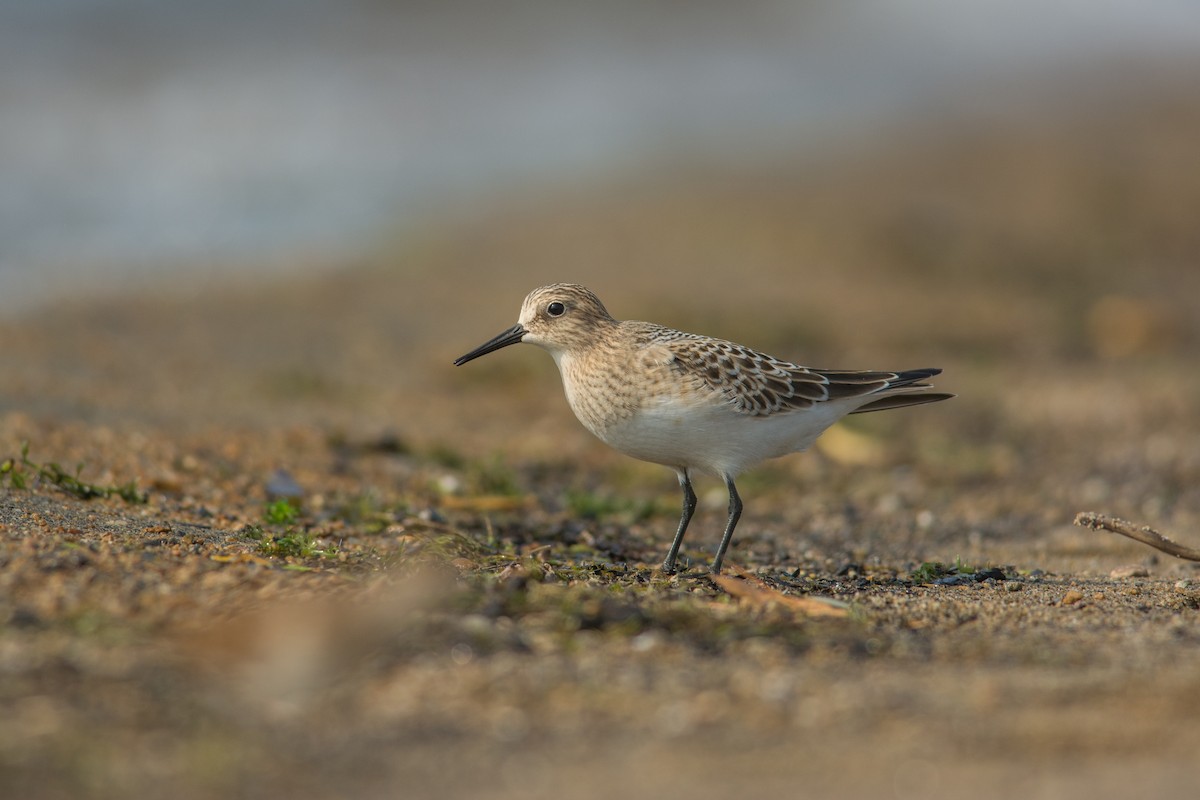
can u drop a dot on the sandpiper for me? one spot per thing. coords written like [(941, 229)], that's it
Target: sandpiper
[(689, 402)]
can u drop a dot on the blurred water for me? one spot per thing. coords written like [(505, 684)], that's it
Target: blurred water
[(144, 137)]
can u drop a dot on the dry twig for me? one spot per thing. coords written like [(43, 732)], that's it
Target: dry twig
[(1142, 533), (757, 593)]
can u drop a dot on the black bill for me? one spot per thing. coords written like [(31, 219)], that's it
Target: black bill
[(510, 336)]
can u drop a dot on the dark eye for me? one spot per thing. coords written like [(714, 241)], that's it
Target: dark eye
[(556, 309)]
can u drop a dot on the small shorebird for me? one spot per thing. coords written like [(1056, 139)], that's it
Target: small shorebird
[(691, 402)]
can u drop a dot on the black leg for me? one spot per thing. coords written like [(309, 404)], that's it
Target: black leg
[(689, 507), (735, 511)]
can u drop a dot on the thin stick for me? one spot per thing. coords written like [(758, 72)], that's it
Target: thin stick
[(757, 593), (1142, 533)]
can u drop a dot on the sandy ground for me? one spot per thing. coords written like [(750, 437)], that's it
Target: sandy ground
[(464, 603)]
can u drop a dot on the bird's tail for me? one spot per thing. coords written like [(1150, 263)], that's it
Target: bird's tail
[(905, 389)]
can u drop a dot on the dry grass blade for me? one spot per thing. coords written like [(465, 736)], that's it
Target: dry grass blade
[(1141, 533), (755, 592), (488, 502)]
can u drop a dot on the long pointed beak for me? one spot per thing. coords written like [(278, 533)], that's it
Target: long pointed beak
[(510, 336)]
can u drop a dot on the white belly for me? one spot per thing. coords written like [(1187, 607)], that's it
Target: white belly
[(715, 438), (660, 419)]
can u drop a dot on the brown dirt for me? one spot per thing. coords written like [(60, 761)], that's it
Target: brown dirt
[(467, 605)]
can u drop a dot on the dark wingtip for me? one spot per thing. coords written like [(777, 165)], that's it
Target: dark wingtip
[(910, 375), (902, 401)]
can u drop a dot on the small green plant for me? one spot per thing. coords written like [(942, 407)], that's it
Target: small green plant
[(18, 473), (931, 571), (297, 544), (281, 512), (290, 542), (12, 474)]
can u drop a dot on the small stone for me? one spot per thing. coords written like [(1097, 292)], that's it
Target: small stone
[(448, 484), (431, 515), (1130, 571), (476, 625), (646, 641), (1072, 597), (282, 486), (1013, 586), (167, 482)]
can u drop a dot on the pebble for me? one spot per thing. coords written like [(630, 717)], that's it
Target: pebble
[(476, 625), (1130, 571), (431, 515), (1013, 586), (282, 486), (448, 484), (646, 641), (1072, 597)]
